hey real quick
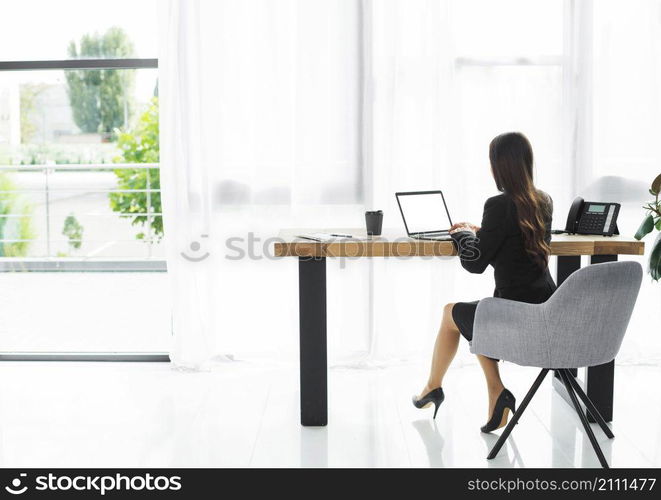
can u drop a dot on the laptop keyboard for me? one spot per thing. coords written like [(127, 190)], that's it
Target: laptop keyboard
[(434, 236)]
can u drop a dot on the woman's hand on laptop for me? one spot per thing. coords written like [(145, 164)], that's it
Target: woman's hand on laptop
[(464, 226)]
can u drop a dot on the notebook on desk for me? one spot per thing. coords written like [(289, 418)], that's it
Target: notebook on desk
[(327, 237)]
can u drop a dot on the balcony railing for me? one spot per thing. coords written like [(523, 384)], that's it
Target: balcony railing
[(40, 198)]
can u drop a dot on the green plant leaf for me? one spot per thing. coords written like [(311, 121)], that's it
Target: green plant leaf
[(645, 228), (139, 145), (656, 185), (655, 259), (658, 224)]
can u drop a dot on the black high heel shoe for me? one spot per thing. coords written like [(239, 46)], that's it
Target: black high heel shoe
[(505, 403), (434, 397)]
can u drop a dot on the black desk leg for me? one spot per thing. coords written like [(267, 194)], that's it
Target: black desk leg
[(312, 342), (599, 380), (567, 264)]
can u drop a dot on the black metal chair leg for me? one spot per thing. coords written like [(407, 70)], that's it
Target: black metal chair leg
[(588, 404), (584, 421), (517, 415)]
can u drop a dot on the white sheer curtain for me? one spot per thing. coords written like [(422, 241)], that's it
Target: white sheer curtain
[(305, 113), (187, 159), (408, 102), (625, 156), (260, 105)]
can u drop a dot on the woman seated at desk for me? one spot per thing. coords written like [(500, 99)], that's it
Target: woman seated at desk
[(514, 238)]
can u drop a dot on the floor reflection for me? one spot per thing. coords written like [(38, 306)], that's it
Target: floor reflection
[(432, 440), (503, 458), (569, 437), (589, 457), (314, 447)]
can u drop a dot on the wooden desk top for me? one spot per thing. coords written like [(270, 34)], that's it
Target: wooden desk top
[(393, 243)]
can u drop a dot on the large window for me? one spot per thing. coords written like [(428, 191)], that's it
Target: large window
[(80, 217), (69, 182), (78, 108), (509, 76)]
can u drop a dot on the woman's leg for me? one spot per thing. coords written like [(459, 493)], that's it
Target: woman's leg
[(494, 383), (447, 342)]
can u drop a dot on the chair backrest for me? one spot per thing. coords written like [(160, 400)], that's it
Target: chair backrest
[(588, 314)]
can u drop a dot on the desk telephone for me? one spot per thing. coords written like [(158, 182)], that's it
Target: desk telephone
[(591, 217)]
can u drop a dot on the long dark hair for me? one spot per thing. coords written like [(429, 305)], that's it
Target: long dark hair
[(512, 166)]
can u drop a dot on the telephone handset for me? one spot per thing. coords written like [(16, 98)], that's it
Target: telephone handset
[(590, 217)]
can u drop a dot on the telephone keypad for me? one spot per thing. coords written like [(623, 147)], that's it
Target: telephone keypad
[(592, 223)]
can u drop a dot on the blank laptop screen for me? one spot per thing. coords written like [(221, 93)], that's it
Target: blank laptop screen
[(424, 212)]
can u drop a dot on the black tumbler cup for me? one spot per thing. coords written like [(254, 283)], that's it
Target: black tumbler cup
[(374, 221)]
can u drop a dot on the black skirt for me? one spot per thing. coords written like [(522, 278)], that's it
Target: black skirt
[(463, 313)]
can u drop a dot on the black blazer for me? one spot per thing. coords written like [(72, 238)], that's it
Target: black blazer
[(499, 243)]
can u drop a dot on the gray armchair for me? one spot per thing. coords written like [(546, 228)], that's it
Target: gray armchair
[(582, 324)]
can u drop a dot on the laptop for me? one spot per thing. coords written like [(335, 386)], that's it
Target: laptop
[(425, 215)]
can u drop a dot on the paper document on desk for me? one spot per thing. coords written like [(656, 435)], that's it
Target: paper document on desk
[(327, 237)]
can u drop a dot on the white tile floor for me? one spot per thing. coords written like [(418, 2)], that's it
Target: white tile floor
[(246, 414)]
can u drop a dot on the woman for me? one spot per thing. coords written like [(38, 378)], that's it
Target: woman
[(514, 238)]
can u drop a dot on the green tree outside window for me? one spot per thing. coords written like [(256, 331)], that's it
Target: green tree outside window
[(140, 145), (101, 99)]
